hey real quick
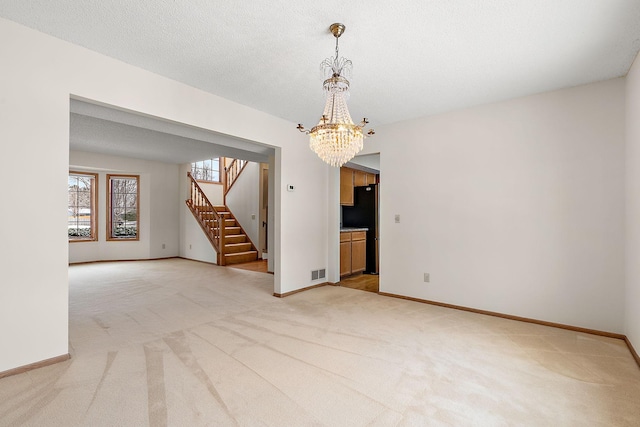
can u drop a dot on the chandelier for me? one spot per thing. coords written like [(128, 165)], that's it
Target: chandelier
[(336, 139)]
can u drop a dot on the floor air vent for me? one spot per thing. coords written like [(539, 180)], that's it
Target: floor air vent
[(318, 274)]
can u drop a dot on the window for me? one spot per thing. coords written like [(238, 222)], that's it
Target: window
[(206, 170), (81, 214), (122, 211)]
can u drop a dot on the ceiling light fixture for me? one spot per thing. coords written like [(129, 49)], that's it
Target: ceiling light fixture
[(336, 139)]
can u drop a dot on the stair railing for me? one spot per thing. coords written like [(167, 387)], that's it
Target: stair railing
[(232, 172), (211, 222)]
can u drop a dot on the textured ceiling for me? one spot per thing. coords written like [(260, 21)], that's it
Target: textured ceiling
[(411, 58)]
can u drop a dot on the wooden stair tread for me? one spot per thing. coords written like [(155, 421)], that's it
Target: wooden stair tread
[(231, 248), (239, 257), (232, 230), (235, 238)]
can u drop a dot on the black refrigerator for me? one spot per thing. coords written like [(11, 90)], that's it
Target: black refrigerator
[(364, 213)]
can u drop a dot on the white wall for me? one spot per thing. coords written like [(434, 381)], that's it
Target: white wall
[(301, 213), (243, 199), (515, 207), (214, 192), (39, 74), (632, 291), (194, 244), (158, 209)]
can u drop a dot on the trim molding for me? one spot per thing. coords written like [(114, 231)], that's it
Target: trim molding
[(127, 260), (195, 260), (632, 350), (35, 365), (634, 354), (286, 294), (510, 317)]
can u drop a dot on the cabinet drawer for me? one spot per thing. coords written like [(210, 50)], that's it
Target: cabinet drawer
[(358, 235), (345, 236)]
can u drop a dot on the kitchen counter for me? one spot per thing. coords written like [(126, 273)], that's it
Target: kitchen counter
[(350, 229)]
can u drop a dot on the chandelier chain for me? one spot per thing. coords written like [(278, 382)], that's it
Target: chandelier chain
[(337, 55)]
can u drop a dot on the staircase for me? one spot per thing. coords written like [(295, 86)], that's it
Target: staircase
[(221, 228), (237, 246)]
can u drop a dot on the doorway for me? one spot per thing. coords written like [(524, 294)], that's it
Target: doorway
[(162, 152), (362, 212)]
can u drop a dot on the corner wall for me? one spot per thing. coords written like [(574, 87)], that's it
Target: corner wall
[(515, 207), (632, 155)]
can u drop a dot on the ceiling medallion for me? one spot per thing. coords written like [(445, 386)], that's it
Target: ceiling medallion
[(336, 139)]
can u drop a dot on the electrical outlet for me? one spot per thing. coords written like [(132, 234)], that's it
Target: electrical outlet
[(426, 277), (163, 246), (189, 246), (397, 218)]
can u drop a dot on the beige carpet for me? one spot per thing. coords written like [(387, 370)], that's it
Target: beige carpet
[(183, 343)]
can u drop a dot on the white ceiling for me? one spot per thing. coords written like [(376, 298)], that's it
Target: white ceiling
[(411, 58), (106, 130)]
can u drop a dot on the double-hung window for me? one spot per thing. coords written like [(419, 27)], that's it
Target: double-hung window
[(123, 214), (81, 213)]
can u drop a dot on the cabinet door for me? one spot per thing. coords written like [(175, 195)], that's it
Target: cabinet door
[(358, 255), (346, 186), (359, 178), (371, 178), (345, 258)]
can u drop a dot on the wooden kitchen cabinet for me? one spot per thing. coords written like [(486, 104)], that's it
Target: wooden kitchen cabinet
[(345, 258), (353, 252), (346, 186), (359, 178), (350, 178), (370, 178), (358, 251)]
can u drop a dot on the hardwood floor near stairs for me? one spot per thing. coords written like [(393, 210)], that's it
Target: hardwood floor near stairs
[(260, 266), (237, 245), (363, 282)]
